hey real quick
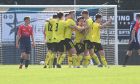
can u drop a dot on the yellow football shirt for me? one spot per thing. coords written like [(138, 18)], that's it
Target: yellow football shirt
[(68, 32), (54, 23), (96, 34), (48, 32), (78, 36), (60, 30), (89, 34)]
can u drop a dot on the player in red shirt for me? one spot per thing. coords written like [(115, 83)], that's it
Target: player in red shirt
[(25, 32), (133, 43)]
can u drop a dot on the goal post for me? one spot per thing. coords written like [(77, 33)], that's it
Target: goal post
[(40, 13)]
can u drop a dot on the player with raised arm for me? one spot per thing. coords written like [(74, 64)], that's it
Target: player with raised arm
[(133, 43), (25, 32), (88, 38), (97, 26)]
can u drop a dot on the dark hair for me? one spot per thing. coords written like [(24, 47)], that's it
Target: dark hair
[(55, 16), (78, 19), (60, 15), (26, 18), (85, 12), (138, 15), (66, 15), (98, 16), (71, 12)]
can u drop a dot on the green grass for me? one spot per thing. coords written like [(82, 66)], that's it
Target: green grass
[(35, 74)]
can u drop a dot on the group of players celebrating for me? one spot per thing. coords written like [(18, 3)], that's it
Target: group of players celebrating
[(58, 35), (86, 43)]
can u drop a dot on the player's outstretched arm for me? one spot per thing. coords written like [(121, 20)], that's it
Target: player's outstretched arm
[(106, 23), (78, 29)]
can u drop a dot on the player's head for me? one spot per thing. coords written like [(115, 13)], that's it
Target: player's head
[(85, 13), (71, 14), (98, 17), (66, 16), (138, 16), (60, 15), (55, 17), (80, 21), (27, 20)]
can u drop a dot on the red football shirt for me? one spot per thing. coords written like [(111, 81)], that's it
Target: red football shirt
[(25, 30), (137, 26)]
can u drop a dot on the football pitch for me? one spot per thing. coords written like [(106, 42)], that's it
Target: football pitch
[(35, 74)]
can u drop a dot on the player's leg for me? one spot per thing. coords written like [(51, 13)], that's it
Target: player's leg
[(57, 54), (95, 57), (128, 53), (102, 56), (87, 57), (80, 53), (22, 57), (62, 54), (137, 47), (69, 59), (51, 59), (74, 56), (61, 59), (79, 59), (27, 54), (55, 59), (27, 60), (73, 52), (47, 59), (101, 52), (48, 54), (53, 55), (71, 49)]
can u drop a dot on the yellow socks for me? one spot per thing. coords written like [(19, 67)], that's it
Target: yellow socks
[(51, 60), (70, 60), (95, 57), (79, 59), (61, 59), (47, 57), (74, 60), (104, 62), (86, 61)]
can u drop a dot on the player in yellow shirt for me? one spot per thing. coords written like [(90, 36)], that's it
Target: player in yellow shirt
[(78, 36), (97, 26), (88, 36), (68, 34), (48, 35), (60, 37)]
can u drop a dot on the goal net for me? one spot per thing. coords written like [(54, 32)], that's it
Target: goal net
[(12, 16)]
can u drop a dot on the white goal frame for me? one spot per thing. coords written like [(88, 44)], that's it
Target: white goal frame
[(74, 6)]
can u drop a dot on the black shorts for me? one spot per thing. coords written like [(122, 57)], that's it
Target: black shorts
[(79, 48), (60, 46), (69, 44), (54, 47), (88, 44), (134, 45), (97, 46), (25, 45), (49, 46)]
